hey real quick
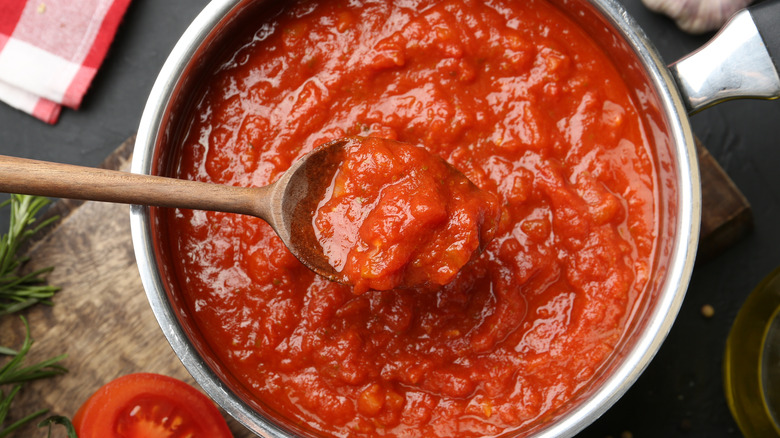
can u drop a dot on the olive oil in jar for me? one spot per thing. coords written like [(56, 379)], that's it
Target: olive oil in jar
[(752, 362)]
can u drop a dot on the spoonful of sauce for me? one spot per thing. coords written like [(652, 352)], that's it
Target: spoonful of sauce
[(307, 206), (396, 215)]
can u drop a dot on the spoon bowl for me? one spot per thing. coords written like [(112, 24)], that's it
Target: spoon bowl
[(293, 201)]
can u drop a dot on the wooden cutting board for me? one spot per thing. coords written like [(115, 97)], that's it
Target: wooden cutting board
[(102, 320)]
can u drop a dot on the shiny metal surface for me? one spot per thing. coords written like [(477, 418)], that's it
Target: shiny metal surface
[(142, 224), (734, 64), (653, 328), (651, 321)]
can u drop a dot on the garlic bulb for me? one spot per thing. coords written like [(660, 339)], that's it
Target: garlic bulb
[(697, 16)]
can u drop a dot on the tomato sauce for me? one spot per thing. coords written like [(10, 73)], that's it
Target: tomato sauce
[(396, 215), (511, 93)]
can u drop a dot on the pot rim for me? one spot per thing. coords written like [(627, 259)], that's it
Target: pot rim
[(649, 340)]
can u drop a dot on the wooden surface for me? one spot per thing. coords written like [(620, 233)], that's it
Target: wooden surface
[(726, 214), (102, 319)]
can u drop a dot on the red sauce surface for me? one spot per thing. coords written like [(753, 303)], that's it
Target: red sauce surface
[(396, 215), (515, 96)]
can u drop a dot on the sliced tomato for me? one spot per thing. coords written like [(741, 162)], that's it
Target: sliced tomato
[(146, 405)]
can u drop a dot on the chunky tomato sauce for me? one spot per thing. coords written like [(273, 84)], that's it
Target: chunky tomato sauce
[(515, 96), (396, 215)]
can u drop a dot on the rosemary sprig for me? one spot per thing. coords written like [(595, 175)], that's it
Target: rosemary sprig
[(14, 374), (61, 420), (17, 291)]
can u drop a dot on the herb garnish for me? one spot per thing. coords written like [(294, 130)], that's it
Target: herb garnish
[(15, 374), (17, 291), (59, 419)]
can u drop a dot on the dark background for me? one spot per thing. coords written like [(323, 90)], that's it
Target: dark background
[(681, 393)]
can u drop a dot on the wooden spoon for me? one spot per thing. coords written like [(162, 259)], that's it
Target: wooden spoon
[(288, 204)]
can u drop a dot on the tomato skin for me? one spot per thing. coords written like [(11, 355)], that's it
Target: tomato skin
[(147, 405)]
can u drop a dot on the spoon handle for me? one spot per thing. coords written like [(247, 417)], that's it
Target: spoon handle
[(32, 177)]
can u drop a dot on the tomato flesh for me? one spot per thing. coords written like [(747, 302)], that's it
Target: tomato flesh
[(146, 405), (399, 216)]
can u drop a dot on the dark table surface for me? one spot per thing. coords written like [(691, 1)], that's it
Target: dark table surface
[(681, 392)]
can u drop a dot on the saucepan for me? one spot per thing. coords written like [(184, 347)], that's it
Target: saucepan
[(737, 63)]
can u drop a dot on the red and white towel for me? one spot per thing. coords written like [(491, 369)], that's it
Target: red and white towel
[(51, 49)]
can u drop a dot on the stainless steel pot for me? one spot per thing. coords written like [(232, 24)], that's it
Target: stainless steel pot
[(735, 64)]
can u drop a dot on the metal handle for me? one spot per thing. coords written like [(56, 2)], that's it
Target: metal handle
[(736, 63)]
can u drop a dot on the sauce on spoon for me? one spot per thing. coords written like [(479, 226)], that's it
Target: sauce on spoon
[(396, 215)]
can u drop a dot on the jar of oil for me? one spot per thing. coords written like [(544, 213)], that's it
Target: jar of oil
[(752, 362)]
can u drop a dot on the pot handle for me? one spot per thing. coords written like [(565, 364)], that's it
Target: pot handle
[(737, 63)]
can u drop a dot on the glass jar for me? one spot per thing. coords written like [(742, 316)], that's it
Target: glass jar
[(752, 362)]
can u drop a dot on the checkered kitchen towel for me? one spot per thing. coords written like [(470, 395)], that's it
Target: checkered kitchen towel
[(51, 49)]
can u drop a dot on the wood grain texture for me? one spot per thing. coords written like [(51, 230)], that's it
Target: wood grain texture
[(726, 214), (101, 317), (42, 178)]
